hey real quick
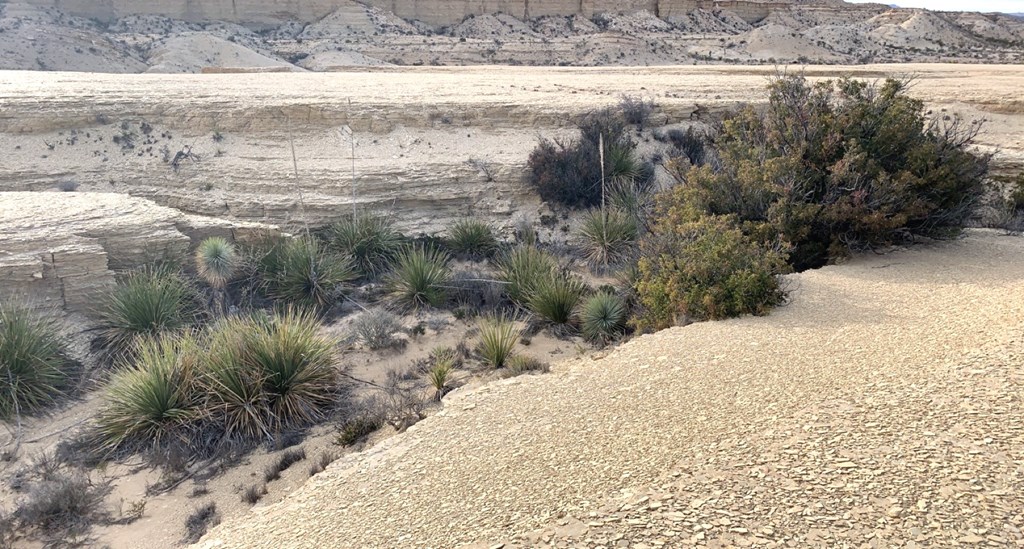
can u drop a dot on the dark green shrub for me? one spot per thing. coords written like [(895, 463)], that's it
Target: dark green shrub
[(472, 239), (147, 302), (420, 278), (609, 236), (555, 298), (603, 318), (705, 269), (371, 240), (302, 272), (522, 269), (33, 361), (152, 397), (836, 166), (569, 173)]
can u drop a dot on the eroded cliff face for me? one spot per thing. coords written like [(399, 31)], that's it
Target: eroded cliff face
[(431, 12)]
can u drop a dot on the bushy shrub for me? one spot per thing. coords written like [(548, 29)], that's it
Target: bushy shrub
[(303, 273), (636, 110), (471, 238), (498, 336), (152, 397), (216, 261), (263, 374), (609, 236), (569, 173), (603, 318), (420, 277), (376, 328), (705, 269), (691, 144), (836, 166), (147, 302), (555, 298), (65, 504), (33, 361), (371, 240), (522, 269)]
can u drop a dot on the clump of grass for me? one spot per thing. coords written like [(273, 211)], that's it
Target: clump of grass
[(522, 269), (267, 374), (555, 298), (66, 503), (147, 302), (153, 395), (522, 364), (33, 363), (302, 272), (376, 328), (609, 236), (603, 318), (200, 521), (356, 429), (420, 277), (439, 377), (286, 460), (254, 493), (472, 238), (371, 240), (325, 459), (498, 336)]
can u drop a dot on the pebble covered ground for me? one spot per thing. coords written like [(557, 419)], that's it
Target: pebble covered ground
[(881, 407)]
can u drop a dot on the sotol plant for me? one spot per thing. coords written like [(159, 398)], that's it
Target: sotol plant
[(147, 302), (217, 262), (371, 240), (603, 318), (420, 278), (301, 272), (32, 361), (522, 269), (498, 337)]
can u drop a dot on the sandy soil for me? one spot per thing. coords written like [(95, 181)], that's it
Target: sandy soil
[(881, 406)]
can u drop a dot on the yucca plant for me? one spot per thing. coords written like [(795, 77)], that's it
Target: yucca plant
[(266, 373), (439, 377), (217, 263), (498, 336), (472, 238), (555, 298), (609, 236), (147, 302), (32, 360), (371, 240), (522, 268), (302, 272), (153, 395), (603, 318), (420, 277)]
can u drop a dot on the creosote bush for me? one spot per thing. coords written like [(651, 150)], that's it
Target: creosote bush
[(33, 361), (371, 240), (147, 302), (603, 318), (471, 238), (302, 272), (420, 277), (498, 337)]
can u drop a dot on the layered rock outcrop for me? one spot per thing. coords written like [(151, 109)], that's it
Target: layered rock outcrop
[(432, 12)]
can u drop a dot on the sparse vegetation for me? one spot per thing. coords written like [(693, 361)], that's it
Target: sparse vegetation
[(33, 361), (636, 110), (371, 240), (284, 461), (64, 504), (420, 278), (253, 493), (147, 302), (376, 328), (498, 336), (522, 364), (201, 520)]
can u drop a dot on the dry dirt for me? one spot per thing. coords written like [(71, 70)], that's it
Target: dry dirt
[(881, 407)]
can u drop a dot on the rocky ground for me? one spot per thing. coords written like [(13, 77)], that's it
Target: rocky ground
[(881, 407), (33, 38)]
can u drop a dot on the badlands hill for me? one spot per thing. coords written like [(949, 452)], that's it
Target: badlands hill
[(323, 35)]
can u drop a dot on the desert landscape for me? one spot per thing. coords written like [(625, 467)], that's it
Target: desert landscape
[(410, 274)]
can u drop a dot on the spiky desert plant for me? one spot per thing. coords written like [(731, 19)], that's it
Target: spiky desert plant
[(609, 236), (267, 373), (216, 261), (371, 240), (147, 302), (555, 298), (420, 277), (32, 360), (522, 268), (472, 238), (302, 272), (439, 377), (603, 317), (153, 395), (498, 336)]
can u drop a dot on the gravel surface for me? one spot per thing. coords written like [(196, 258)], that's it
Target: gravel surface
[(882, 406)]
